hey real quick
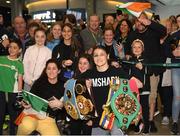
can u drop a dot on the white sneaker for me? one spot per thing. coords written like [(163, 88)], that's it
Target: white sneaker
[(165, 121), (156, 113), (141, 126)]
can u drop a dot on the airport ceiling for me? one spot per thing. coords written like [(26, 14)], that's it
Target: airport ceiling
[(7, 3), (164, 2), (4, 3)]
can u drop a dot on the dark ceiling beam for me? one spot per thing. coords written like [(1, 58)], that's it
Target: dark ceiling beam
[(161, 2)]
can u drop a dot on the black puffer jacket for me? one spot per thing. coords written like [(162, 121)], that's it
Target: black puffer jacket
[(143, 75), (153, 51)]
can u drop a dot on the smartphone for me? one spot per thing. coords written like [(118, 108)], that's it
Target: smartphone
[(119, 45), (118, 12), (4, 37)]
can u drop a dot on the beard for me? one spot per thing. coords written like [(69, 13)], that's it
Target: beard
[(142, 28)]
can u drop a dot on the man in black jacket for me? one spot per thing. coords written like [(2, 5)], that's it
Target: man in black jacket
[(150, 33)]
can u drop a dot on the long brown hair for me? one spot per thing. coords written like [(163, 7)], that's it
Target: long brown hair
[(50, 36), (75, 44)]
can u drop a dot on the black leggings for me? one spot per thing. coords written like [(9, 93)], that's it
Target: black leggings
[(144, 101), (79, 127), (11, 110)]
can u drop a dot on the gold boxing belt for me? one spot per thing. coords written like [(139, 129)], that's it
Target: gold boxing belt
[(78, 101)]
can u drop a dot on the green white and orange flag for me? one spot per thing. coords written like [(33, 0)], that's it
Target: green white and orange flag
[(37, 103), (38, 107), (134, 8)]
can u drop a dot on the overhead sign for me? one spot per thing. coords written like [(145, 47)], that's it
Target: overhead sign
[(45, 16)]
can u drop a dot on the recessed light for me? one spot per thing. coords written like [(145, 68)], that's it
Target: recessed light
[(8, 1)]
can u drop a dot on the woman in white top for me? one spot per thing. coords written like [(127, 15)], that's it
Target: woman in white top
[(35, 59)]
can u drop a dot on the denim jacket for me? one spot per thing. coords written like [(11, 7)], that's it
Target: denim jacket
[(53, 43)]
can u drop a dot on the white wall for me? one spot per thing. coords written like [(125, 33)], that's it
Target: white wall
[(167, 11)]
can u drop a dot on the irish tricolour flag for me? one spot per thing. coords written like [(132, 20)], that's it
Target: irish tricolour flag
[(134, 8), (38, 107)]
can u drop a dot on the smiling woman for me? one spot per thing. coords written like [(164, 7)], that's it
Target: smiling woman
[(100, 77), (49, 88), (52, 71), (67, 51)]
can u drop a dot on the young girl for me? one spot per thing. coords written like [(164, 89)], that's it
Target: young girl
[(55, 36), (11, 79), (67, 52), (35, 59), (48, 86), (143, 74), (84, 63), (82, 127), (100, 77)]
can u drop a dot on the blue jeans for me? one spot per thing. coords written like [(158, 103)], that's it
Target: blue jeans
[(176, 94), (115, 131)]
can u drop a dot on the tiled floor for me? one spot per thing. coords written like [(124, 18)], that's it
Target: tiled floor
[(162, 129)]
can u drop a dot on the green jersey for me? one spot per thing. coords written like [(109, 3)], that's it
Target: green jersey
[(9, 71)]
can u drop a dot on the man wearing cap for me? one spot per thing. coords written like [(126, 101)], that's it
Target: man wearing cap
[(150, 33)]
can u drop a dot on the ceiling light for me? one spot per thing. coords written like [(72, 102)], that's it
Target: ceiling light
[(8, 1)]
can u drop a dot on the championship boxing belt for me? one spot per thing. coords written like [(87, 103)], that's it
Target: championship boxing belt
[(77, 100), (125, 104)]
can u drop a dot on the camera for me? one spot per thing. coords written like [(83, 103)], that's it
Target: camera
[(17, 104)]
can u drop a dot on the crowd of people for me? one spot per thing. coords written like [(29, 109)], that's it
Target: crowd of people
[(39, 59)]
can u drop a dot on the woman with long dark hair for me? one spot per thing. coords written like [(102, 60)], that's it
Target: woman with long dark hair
[(50, 88), (100, 77), (122, 32), (82, 127), (67, 52)]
